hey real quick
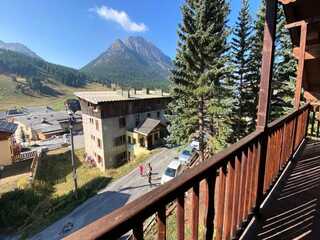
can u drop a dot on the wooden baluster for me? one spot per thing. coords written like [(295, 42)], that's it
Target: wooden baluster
[(248, 184), (220, 205), (138, 231), (195, 211), (243, 186), (268, 162), (252, 176), (255, 174), (279, 147), (180, 217), (235, 222), (161, 220), (318, 128), (209, 207), (229, 200), (312, 122)]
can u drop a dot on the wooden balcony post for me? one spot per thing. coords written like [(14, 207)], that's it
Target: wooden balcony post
[(302, 51), (265, 90)]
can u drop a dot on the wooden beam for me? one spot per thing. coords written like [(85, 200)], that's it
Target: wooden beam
[(300, 70), (311, 52), (295, 24), (267, 64), (287, 1)]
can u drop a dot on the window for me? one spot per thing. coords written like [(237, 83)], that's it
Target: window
[(129, 140), (93, 137), (122, 122), (149, 115), (118, 141), (134, 141), (99, 158), (97, 125), (158, 114), (99, 142)]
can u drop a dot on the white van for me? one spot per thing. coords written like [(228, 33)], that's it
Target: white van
[(174, 169)]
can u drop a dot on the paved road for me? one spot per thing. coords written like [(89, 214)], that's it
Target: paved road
[(112, 197)]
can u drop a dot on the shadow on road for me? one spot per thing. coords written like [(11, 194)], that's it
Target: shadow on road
[(141, 186)]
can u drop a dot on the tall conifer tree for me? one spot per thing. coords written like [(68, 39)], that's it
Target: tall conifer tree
[(241, 47), (255, 59), (200, 73), (283, 82)]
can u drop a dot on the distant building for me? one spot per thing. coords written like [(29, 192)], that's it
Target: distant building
[(23, 111), (117, 124), (7, 129), (41, 126)]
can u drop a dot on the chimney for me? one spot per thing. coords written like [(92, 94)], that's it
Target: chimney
[(145, 90), (126, 93), (132, 91)]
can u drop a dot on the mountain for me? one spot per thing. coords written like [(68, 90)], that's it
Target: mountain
[(18, 47), (134, 62), (37, 72)]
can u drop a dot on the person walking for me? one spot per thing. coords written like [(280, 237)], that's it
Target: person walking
[(141, 169), (149, 167), (149, 177)]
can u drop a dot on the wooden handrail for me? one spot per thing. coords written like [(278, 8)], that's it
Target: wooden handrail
[(238, 166), (287, 117)]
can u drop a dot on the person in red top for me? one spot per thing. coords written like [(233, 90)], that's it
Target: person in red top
[(141, 169)]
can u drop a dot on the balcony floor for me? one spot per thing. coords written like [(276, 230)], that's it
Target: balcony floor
[(293, 209)]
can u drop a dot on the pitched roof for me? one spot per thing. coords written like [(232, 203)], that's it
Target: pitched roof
[(8, 127), (46, 122), (147, 126)]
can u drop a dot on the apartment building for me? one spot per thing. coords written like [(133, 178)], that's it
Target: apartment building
[(7, 129), (117, 124)]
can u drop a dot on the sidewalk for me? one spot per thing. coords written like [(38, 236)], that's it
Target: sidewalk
[(112, 197)]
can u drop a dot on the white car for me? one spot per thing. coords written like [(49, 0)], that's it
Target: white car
[(195, 145), (174, 169)]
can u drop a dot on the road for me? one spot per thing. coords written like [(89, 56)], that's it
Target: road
[(112, 197)]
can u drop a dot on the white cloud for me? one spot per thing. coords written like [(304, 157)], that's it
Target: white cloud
[(121, 18)]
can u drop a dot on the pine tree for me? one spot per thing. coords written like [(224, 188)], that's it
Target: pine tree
[(200, 73), (285, 71), (241, 47), (255, 58)]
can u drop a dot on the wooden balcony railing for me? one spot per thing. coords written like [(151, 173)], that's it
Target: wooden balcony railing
[(235, 182), (314, 129)]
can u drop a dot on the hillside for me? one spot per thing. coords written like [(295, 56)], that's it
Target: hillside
[(134, 62), (38, 71), (15, 93)]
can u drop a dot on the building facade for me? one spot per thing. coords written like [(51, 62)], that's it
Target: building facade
[(7, 129), (42, 126), (117, 125)]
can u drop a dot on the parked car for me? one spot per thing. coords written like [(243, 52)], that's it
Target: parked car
[(195, 145), (174, 169), (185, 155)]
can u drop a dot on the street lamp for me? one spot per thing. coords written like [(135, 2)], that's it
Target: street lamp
[(71, 108)]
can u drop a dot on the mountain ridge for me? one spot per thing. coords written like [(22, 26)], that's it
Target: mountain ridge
[(18, 47), (133, 62)]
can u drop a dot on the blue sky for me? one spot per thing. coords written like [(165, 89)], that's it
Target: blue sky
[(74, 32)]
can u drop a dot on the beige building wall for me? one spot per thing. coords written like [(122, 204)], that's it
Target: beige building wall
[(107, 130), (5, 152), (92, 131), (112, 130)]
